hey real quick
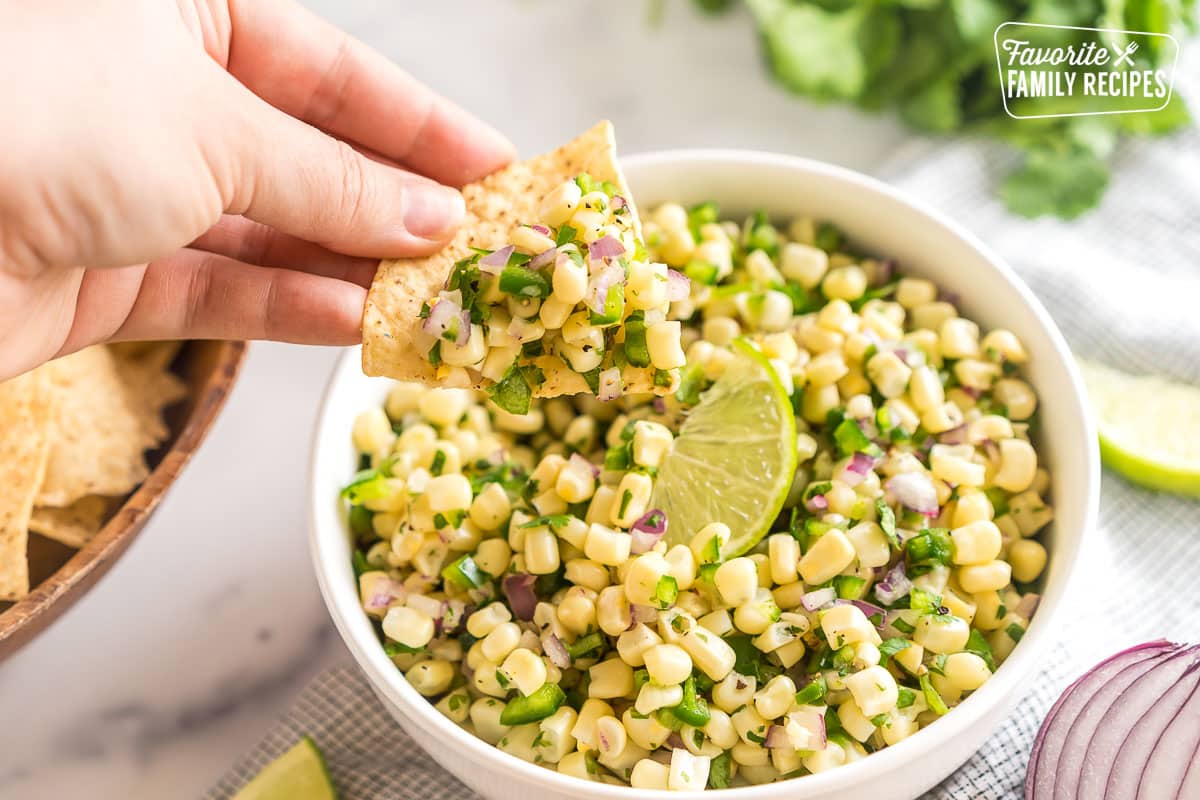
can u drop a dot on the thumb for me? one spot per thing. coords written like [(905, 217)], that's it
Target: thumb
[(286, 174)]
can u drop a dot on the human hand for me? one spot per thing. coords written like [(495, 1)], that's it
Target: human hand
[(209, 169)]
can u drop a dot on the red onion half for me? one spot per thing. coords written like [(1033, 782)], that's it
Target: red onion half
[(1129, 727)]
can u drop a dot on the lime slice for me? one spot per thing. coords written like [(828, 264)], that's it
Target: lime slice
[(734, 458), (298, 774), (1149, 427)]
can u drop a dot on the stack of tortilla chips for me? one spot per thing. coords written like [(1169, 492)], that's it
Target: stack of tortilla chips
[(73, 439)]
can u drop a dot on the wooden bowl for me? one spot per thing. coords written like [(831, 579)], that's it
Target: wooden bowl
[(60, 574)]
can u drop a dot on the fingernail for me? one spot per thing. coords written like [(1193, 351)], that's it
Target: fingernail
[(432, 211)]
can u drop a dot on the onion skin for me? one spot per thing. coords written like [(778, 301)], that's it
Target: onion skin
[(1047, 749), (1129, 715)]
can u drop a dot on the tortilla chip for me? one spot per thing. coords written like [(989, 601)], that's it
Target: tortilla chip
[(151, 388), (101, 427), (25, 406), (76, 524), (394, 344)]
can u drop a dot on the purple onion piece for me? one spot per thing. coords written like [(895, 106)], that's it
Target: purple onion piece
[(542, 229), (653, 521), (618, 202), (605, 247), (464, 328), (497, 259), (957, 435), (518, 589), (608, 386), (441, 315), (816, 503), (861, 463), (1028, 605), (643, 614), (599, 284), (660, 405), (679, 287), (818, 599), (556, 651), (542, 259), (870, 610), (893, 585), (915, 491), (778, 739)]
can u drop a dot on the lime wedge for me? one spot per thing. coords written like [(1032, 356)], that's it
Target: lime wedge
[(734, 458), (298, 774), (1149, 427)]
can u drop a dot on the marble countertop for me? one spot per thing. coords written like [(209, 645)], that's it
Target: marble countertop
[(180, 659)]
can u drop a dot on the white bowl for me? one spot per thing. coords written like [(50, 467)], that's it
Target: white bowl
[(880, 220)]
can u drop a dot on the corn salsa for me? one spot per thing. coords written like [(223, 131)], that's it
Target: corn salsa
[(521, 577)]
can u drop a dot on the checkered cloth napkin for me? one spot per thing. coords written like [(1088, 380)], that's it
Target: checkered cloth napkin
[(1123, 284)]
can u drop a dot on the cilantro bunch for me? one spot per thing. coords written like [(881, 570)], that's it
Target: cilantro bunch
[(934, 62)]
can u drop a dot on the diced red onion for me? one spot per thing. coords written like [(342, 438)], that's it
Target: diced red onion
[(556, 651), (608, 386), (902, 354), (679, 287), (385, 592), (543, 258), (818, 598), (972, 392), (605, 247), (947, 296), (992, 449), (599, 284), (861, 463), (492, 263), (894, 585), (647, 531), (454, 613), (816, 503), (871, 610), (956, 435), (642, 614), (618, 202), (777, 738), (518, 588), (660, 405), (441, 315), (675, 741), (883, 271), (542, 229), (814, 723), (915, 491), (1028, 605)]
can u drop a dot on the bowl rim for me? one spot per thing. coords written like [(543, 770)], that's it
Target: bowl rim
[(46, 602), (387, 680)]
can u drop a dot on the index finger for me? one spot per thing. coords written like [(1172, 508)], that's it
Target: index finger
[(311, 70)]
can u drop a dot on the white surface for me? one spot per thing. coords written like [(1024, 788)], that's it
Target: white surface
[(878, 220), (183, 655)]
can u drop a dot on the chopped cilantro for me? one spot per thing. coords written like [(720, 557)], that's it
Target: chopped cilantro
[(512, 393)]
